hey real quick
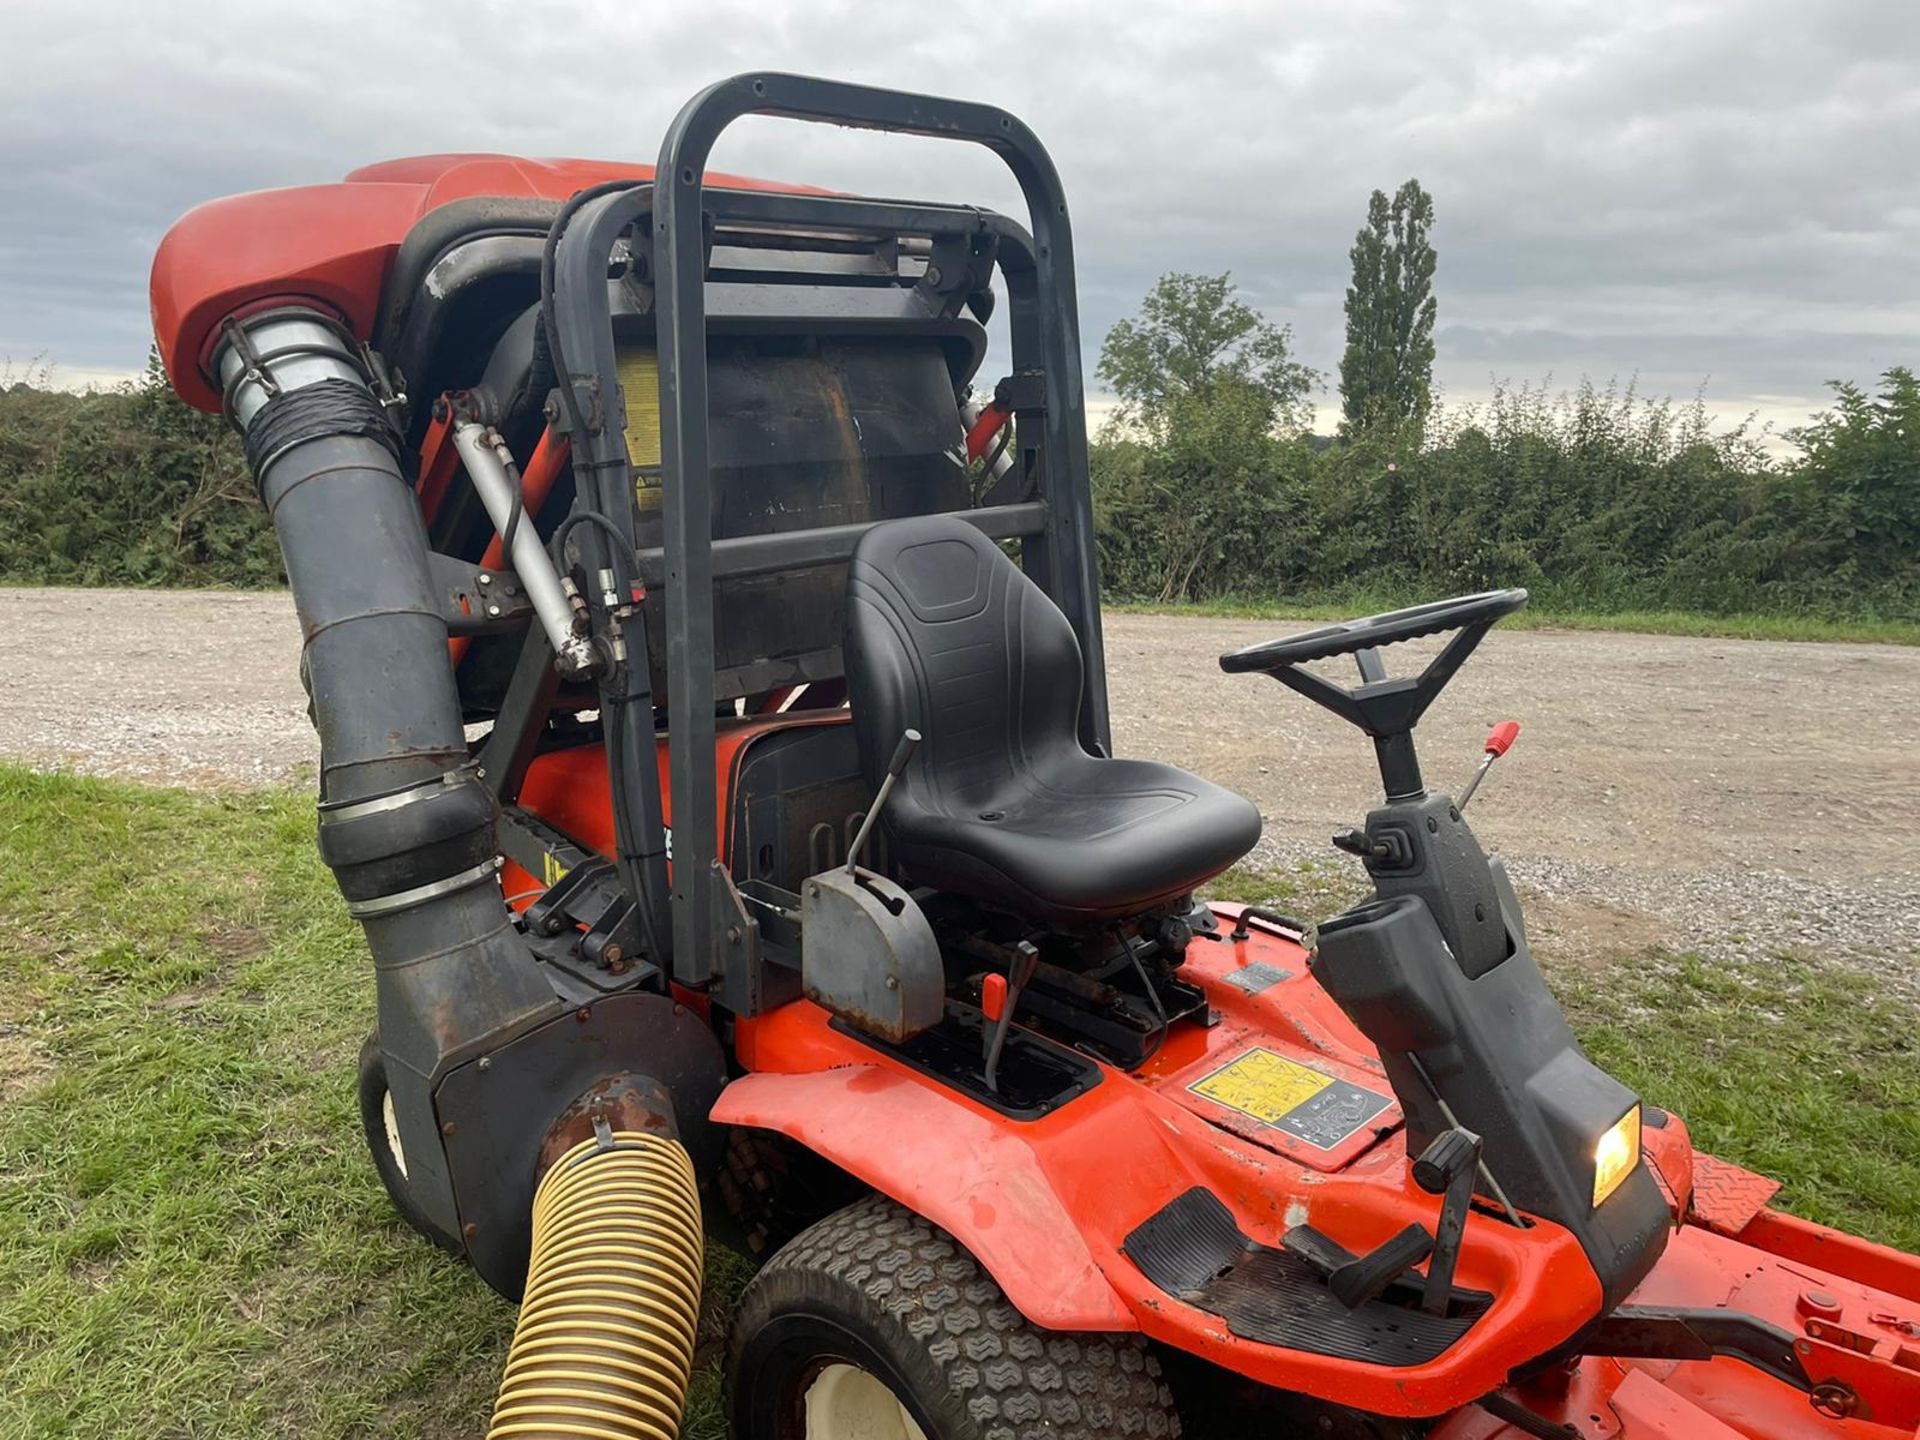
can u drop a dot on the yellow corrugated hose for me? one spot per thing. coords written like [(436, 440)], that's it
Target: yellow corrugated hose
[(604, 1344)]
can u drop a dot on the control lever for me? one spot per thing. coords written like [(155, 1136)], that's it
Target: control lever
[(1388, 848), (896, 767), (1499, 741), (1447, 1167), (1356, 1279), (999, 994)]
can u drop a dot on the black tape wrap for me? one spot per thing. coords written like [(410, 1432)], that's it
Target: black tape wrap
[(325, 408)]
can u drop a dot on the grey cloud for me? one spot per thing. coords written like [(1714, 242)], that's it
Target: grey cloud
[(1677, 190)]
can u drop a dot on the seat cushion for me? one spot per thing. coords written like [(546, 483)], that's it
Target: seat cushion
[(947, 636), (1083, 841)]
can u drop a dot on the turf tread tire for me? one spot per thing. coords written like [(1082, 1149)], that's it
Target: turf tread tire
[(986, 1372)]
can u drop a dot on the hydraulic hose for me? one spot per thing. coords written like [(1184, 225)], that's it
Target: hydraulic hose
[(604, 1344)]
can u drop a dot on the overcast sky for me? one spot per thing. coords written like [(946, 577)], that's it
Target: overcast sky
[(1699, 194)]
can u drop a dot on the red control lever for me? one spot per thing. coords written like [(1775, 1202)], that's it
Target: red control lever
[(991, 422), (998, 995), (993, 996), (1499, 740)]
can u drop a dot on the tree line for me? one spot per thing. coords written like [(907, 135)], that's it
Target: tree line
[(125, 487), (1208, 483)]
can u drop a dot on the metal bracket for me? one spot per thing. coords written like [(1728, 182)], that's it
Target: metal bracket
[(537, 847), (255, 371), (593, 410), (590, 895), (583, 889), (739, 932), (475, 600), (1024, 393), (959, 267), (747, 985), (387, 383), (1678, 1332)]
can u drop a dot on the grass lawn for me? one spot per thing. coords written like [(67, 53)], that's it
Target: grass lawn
[(193, 1243), (1539, 616)]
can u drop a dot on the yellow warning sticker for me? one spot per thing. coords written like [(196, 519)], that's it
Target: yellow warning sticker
[(1294, 1098), (638, 369), (552, 870), (1262, 1084)]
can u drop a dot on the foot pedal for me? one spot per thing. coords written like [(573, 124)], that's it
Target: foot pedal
[(1356, 1279)]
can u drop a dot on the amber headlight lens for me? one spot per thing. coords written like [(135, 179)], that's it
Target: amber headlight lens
[(1615, 1154)]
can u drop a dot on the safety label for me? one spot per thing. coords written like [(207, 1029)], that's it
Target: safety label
[(1292, 1097), (1256, 977)]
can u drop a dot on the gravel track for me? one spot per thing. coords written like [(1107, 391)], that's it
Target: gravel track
[(1735, 796)]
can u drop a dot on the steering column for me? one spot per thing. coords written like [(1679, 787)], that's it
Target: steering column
[(1436, 972)]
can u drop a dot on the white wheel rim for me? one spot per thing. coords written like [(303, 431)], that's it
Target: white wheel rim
[(394, 1147), (845, 1402)]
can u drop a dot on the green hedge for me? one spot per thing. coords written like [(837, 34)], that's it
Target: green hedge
[(125, 487), (1596, 499)]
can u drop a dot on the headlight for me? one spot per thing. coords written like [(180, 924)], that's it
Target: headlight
[(1615, 1154)]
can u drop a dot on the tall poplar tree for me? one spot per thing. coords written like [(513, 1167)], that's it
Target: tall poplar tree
[(1386, 374)]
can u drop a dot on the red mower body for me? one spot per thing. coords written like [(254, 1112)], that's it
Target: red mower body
[(332, 246), (1047, 1205)]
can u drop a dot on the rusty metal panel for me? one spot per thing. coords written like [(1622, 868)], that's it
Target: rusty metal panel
[(869, 955)]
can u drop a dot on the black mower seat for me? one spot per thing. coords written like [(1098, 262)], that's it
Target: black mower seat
[(947, 636)]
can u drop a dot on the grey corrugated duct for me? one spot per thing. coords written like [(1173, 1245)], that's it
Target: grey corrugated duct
[(407, 829)]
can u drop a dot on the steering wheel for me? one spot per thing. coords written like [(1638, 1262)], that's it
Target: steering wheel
[(1387, 709), (1436, 617)]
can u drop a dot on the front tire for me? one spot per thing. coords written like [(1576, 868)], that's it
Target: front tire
[(383, 1143), (875, 1325)]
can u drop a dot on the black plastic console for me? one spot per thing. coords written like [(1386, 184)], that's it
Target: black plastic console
[(1493, 1049)]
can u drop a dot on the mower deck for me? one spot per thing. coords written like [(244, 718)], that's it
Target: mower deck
[(1861, 1326)]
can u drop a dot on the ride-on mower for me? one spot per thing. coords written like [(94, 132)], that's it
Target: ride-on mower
[(716, 754)]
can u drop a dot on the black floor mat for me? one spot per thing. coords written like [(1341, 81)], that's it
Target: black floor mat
[(1193, 1250), (1036, 1076)]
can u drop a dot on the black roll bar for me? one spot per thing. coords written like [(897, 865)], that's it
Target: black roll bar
[(1054, 519), (1066, 559)]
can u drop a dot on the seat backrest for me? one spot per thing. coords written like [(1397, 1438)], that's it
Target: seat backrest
[(947, 636)]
